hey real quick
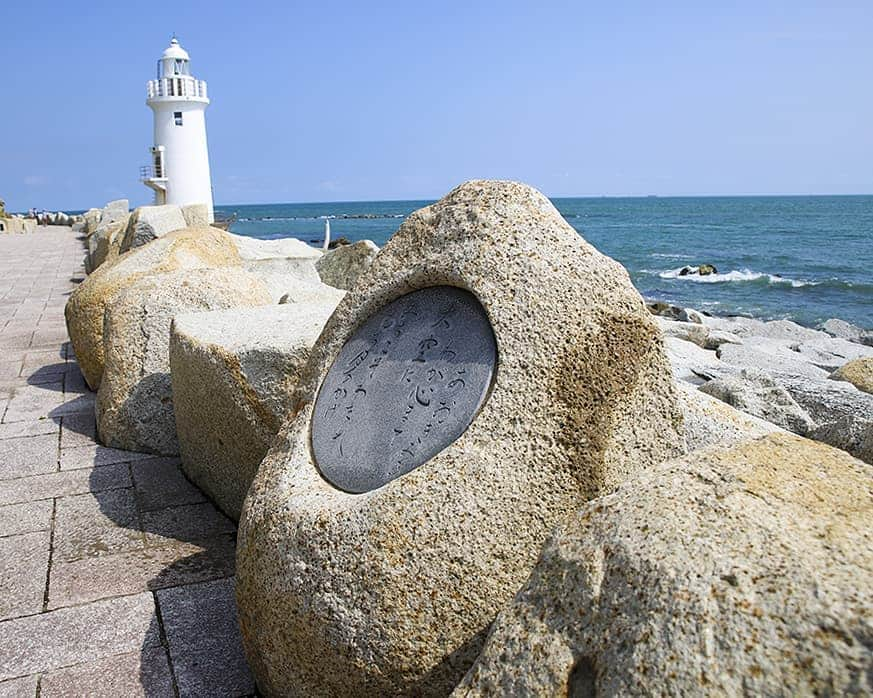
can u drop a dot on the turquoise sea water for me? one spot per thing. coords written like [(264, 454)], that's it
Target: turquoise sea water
[(804, 258)]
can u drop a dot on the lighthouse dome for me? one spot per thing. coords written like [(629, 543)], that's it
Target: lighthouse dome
[(174, 50)]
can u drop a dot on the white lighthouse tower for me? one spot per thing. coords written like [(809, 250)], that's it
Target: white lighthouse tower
[(179, 173)]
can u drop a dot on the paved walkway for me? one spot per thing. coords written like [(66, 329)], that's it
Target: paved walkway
[(115, 572)]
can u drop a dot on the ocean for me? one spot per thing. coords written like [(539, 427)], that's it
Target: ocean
[(802, 258)]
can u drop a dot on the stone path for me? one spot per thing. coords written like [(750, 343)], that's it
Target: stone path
[(116, 574)]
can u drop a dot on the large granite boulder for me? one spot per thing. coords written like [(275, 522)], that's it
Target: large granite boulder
[(191, 248), (756, 393), (391, 590), (341, 266), (135, 401), (91, 220), (233, 374), (746, 571), (858, 372), (104, 244), (150, 222), (280, 263), (115, 211)]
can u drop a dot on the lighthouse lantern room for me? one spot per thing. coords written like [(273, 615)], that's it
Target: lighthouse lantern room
[(179, 171)]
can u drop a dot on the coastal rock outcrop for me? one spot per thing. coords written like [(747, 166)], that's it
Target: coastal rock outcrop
[(150, 222), (711, 422), (233, 375), (135, 402), (341, 266), (115, 211), (756, 393), (391, 591), (190, 248), (744, 571), (104, 244), (858, 372), (846, 330)]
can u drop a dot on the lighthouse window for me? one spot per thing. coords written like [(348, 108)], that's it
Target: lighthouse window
[(177, 117)]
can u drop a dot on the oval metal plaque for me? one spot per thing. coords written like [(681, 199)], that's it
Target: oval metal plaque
[(405, 385)]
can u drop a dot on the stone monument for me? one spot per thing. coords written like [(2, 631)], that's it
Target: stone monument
[(487, 374)]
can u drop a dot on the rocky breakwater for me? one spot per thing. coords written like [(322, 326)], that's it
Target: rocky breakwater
[(809, 381), (488, 372), (731, 571)]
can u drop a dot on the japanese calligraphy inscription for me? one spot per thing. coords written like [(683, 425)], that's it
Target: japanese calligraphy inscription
[(407, 384)]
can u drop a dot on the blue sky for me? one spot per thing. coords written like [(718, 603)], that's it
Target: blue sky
[(354, 101)]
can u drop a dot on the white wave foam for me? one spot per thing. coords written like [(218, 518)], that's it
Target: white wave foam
[(734, 275)]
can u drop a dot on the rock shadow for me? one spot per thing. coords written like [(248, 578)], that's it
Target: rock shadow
[(194, 545)]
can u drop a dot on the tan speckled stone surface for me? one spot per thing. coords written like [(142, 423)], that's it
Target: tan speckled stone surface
[(858, 372), (742, 571), (190, 248), (134, 402), (392, 591), (233, 375)]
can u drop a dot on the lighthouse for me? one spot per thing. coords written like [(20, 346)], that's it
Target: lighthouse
[(179, 171)]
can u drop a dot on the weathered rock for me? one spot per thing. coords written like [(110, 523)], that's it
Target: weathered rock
[(184, 249), (342, 266), (674, 312), (135, 402), (741, 571), (92, 220), (196, 215), (104, 244), (391, 591), (687, 331), (842, 413), (770, 356), (280, 263), (150, 222), (711, 422), (692, 364), (756, 393), (233, 374), (302, 292), (706, 270), (715, 338), (845, 330), (115, 211), (858, 372), (775, 329), (831, 353)]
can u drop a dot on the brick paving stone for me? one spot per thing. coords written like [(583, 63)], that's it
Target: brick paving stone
[(9, 369), (160, 483), (25, 517), (89, 579), (94, 455), (189, 522), (49, 334), (78, 430), (135, 674), (23, 567), (62, 484), (25, 687), (34, 401), (28, 455), (68, 636), (98, 523), (16, 340), (76, 404), (74, 381), (203, 634), (13, 430)]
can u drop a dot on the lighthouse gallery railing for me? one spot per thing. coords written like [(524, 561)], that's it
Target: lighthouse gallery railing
[(179, 86)]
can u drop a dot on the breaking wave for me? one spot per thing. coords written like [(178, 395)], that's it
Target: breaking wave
[(741, 275)]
